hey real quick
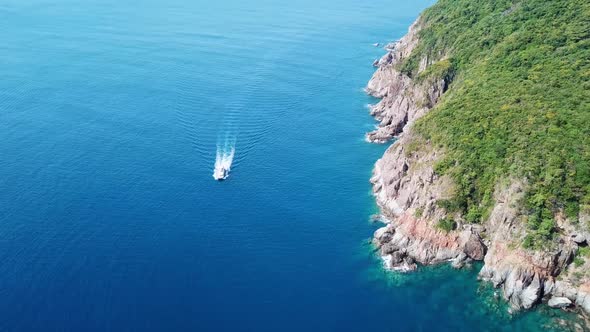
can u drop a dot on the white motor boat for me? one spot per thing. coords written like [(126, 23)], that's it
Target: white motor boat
[(220, 173), (223, 161)]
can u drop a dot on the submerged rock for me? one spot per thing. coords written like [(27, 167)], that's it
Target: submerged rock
[(460, 261)]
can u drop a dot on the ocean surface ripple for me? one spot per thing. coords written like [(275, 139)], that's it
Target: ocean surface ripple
[(113, 114)]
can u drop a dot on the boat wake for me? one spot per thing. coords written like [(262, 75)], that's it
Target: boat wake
[(206, 127), (223, 160)]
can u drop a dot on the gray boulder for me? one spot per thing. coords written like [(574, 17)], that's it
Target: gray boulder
[(580, 238), (559, 302)]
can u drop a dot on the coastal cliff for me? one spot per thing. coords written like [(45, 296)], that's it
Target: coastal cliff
[(436, 204)]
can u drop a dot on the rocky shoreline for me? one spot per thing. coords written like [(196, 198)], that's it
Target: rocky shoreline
[(407, 189)]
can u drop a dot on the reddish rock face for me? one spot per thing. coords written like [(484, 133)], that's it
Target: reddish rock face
[(417, 239)]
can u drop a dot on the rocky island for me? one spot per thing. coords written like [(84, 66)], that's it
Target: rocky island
[(488, 104)]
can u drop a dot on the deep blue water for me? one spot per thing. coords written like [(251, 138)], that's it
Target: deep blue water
[(110, 114)]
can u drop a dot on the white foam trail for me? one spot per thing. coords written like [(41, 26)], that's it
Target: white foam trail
[(223, 159)]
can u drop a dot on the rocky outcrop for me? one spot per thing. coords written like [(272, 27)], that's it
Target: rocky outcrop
[(407, 190), (559, 302), (402, 100), (524, 276), (404, 183), (577, 294), (408, 241)]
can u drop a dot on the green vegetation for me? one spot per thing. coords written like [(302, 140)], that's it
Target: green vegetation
[(413, 145), (447, 224), (519, 104), (443, 166), (441, 69), (581, 255), (419, 212)]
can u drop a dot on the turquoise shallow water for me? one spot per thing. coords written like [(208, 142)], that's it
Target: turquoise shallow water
[(111, 113)]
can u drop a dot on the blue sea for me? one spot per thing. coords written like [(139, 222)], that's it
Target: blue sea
[(112, 114)]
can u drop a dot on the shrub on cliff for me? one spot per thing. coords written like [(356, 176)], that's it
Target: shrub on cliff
[(447, 224)]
